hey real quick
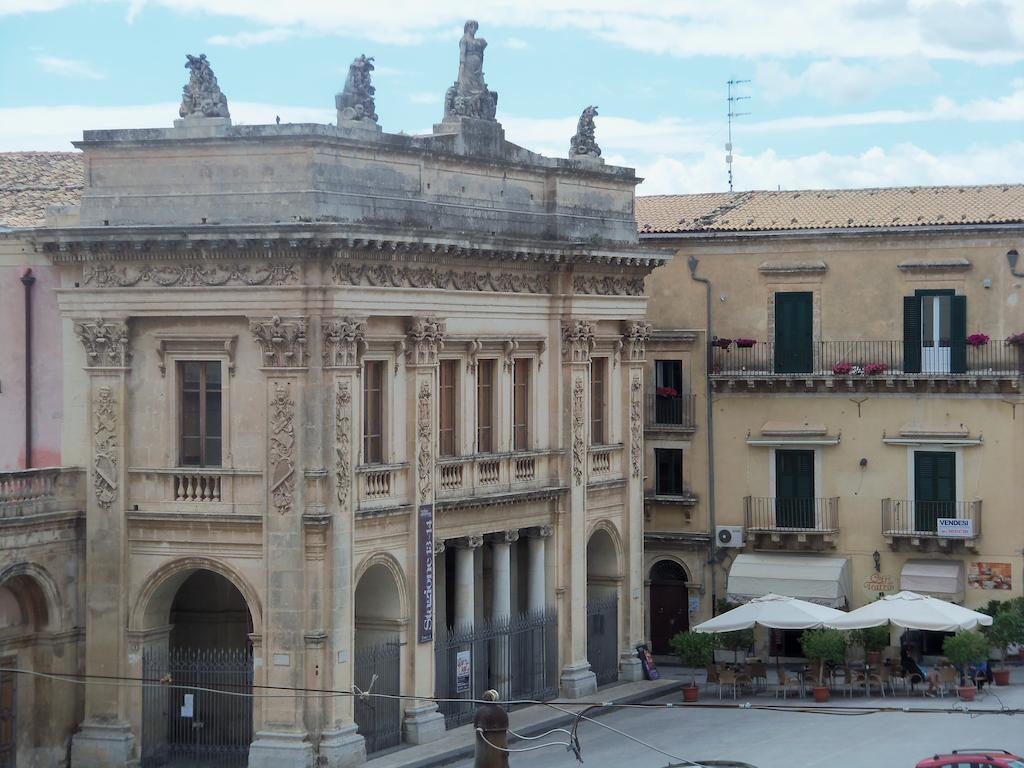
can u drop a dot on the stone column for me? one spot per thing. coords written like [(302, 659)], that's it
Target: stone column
[(577, 679), (631, 595), (537, 596), (501, 605), (280, 737), (105, 737), (344, 341), (465, 586)]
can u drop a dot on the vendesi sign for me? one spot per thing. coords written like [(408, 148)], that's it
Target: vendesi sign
[(955, 528), (425, 546)]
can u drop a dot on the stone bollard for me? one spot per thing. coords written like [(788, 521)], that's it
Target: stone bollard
[(490, 722)]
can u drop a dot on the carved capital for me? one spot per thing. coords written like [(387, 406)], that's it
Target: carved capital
[(510, 536), (344, 341), (472, 542), (577, 341), (105, 342), (636, 337), (282, 342), (426, 339), (439, 547), (544, 531)]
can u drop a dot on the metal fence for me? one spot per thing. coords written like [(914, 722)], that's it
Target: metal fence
[(185, 726), (768, 513), (673, 411), (378, 670), (517, 656), (603, 638), (901, 517)]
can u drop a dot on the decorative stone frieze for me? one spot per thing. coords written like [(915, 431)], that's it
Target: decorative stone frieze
[(607, 285), (105, 448), (282, 342), (395, 276), (426, 339), (579, 450), (282, 448), (577, 341), (192, 275), (636, 337), (424, 439), (636, 424), (105, 342), (344, 342), (343, 440)]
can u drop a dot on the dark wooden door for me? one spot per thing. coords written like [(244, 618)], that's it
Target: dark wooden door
[(8, 729), (794, 332), (934, 488), (794, 489), (669, 605)]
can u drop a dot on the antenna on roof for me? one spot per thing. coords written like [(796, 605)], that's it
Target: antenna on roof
[(731, 114)]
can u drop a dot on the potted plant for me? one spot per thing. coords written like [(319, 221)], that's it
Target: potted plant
[(1007, 628), (1016, 339), (963, 649), (745, 343), (842, 369), (875, 369), (823, 645), (873, 640), (722, 343), (695, 650), (978, 339), (666, 392)]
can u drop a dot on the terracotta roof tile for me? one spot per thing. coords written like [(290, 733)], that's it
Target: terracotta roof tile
[(830, 209), (30, 182)]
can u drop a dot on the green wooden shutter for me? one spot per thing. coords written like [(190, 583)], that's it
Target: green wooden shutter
[(911, 334), (958, 334), (794, 332)]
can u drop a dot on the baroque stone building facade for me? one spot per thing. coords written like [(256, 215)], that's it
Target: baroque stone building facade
[(337, 404)]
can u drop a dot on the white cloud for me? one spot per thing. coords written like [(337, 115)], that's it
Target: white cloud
[(425, 97), (515, 43), (56, 65), (245, 39), (838, 81)]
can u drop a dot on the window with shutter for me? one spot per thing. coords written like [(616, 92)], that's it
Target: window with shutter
[(521, 404), (373, 412), (485, 406), (794, 332), (934, 488), (201, 423), (668, 464), (448, 416), (598, 372), (794, 489)]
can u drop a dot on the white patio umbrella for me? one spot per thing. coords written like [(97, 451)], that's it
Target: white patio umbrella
[(773, 611), (912, 611)]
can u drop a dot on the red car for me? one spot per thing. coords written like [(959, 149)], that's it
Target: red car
[(973, 758)]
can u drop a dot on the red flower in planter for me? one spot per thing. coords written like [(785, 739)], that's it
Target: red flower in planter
[(666, 392), (874, 369), (722, 343), (745, 343), (842, 369), (977, 339), (1016, 338)]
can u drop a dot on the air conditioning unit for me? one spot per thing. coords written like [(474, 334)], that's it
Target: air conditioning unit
[(729, 535)]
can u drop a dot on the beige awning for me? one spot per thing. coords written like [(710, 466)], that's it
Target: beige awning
[(939, 578), (815, 578)]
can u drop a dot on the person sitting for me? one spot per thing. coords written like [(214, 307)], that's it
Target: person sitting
[(913, 671)]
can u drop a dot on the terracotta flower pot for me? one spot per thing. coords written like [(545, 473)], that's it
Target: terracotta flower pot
[(821, 693), (1001, 676), (690, 692), (967, 692)]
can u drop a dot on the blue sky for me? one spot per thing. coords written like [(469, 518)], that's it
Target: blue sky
[(844, 93)]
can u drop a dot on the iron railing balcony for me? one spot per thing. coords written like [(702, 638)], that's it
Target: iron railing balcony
[(769, 514), (671, 412), (902, 518)]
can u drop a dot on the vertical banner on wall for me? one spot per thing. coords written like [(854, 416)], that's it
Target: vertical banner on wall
[(426, 568)]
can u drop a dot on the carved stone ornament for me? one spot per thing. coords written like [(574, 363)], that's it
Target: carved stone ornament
[(510, 536), (355, 102), (474, 541), (579, 449), (424, 440), (343, 439), (344, 341), (469, 96), (201, 96), (608, 285), (636, 425), (636, 337), (439, 547), (105, 449), (283, 342), (392, 276), (105, 342), (192, 275), (544, 531), (583, 143), (426, 339), (508, 351), (577, 341), (473, 354), (282, 448)]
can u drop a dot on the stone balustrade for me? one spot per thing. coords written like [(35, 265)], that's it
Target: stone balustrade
[(37, 491)]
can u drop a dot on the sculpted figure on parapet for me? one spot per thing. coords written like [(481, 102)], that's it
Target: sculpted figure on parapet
[(355, 102), (469, 96), (584, 143), (201, 96)]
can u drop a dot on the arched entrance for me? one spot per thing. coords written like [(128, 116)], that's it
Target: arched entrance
[(199, 625), (603, 580), (668, 604), (379, 624)]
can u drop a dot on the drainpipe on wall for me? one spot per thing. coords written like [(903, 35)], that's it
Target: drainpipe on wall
[(28, 280), (708, 416)]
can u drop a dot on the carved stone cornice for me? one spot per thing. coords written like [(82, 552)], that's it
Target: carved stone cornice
[(397, 276), (608, 285), (282, 448), (105, 342), (577, 341), (282, 342), (344, 342), (636, 336), (426, 339), (191, 275)]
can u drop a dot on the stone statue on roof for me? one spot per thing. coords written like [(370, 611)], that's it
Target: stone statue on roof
[(583, 143), (201, 96), (355, 102), (469, 95)]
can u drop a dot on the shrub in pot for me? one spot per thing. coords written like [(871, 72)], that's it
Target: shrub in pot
[(694, 649), (873, 640), (964, 649), (1007, 627), (823, 645)]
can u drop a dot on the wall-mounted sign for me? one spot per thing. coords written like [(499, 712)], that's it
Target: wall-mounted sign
[(955, 528), (426, 568), (694, 605), (880, 582), (989, 575), (463, 671)]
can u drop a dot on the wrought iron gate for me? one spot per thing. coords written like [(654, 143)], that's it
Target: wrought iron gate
[(603, 638), (8, 724), (203, 718), (518, 656), (377, 669)]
